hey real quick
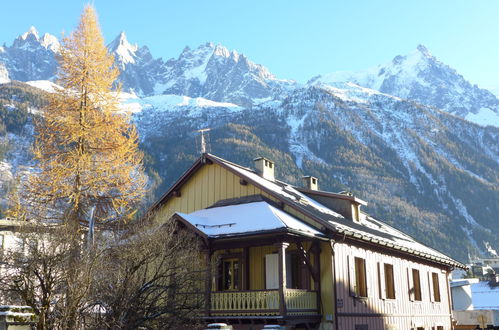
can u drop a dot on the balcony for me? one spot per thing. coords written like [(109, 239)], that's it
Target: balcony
[(263, 303)]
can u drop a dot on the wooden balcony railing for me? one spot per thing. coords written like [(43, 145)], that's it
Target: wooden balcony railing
[(262, 302), (300, 302)]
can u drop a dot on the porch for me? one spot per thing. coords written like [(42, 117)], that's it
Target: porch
[(275, 283), (263, 302)]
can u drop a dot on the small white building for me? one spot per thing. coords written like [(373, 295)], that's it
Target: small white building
[(475, 303)]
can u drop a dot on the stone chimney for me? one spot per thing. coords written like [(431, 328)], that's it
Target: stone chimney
[(265, 168), (311, 182)]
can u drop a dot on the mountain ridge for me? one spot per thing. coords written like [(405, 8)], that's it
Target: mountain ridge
[(410, 160)]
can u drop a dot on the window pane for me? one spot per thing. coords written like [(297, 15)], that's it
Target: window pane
[(416, 285), (389, 282), (436, 287), (235, 275), (360, 276), (227, 275)]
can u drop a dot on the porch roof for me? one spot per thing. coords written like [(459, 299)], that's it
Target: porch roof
[(245, 219)]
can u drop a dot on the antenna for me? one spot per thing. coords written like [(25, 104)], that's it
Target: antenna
[(204, 144)]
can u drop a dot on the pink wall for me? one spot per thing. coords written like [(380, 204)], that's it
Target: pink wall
[(400, 312)]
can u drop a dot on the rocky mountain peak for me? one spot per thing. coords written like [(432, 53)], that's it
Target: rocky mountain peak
[(421, 77), (30, 57), (423, 50), (32, 33), (125, 52)]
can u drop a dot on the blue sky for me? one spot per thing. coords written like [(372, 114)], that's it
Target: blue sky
[(294, 39)]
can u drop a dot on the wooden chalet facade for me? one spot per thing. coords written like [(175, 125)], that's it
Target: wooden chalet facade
[(301, 257)]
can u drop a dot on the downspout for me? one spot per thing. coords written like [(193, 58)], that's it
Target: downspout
[(447, 280)]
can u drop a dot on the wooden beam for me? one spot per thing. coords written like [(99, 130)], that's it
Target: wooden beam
[(209, 276), (281, 247), (246, 261), (304, 256), (316, 250)]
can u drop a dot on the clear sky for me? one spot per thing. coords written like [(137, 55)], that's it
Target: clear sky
[(295, 39)]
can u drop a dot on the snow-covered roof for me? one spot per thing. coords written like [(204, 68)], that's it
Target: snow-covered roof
[(484, 296), (245, 219), (369, 230)]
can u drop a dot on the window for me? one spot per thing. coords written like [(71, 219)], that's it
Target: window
[(416, 285), (389, 281), (361, 327), (230, 274), (436, 287), (360, 277)]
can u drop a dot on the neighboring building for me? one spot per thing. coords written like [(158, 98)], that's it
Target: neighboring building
[(302, 257), (476, 303), (484, 268)]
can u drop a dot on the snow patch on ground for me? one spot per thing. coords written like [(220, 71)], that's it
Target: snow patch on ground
[(296, 144), (464, 212), (163, 102), (4, 74), (484, 117), (44, 85)]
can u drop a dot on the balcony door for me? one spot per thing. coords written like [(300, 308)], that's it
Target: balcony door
[(231, 274), (272, 271)]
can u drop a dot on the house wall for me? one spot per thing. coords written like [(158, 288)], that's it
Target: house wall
[(398, 313), (461, 298), (212, 183)]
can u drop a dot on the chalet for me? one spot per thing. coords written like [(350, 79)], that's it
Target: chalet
[(302, 257)]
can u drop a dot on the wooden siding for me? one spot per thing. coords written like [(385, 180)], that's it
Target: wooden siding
[(327, 290), (378, 313), (212, 183)]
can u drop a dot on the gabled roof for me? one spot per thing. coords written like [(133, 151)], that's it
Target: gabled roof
[(247, 218), (328, 222)]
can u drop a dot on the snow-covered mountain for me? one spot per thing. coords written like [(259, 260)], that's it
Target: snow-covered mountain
[(140, 72), (379, 133), (209, 71), (213, 72), (422, 78), (30, 57)]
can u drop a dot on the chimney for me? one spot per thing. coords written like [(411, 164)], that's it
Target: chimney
[(311, 182), (265, 168)]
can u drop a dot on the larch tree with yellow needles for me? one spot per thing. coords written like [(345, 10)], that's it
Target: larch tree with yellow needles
[(86, 148)]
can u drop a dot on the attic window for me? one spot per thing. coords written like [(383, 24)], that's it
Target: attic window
[(314, 180)]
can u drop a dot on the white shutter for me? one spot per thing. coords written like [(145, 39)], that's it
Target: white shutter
[(272, 271), (351, 275), (430, 286), (410, 282), (370, 272), (382, 283)]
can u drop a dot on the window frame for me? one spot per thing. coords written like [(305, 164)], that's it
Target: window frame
[(387, 281), (435, 285), (360, 287), (235, 276), (416, 289)]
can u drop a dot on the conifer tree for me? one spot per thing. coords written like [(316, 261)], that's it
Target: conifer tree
[(85, 147)]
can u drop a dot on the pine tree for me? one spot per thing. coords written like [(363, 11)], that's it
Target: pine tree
[(85, 147)]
